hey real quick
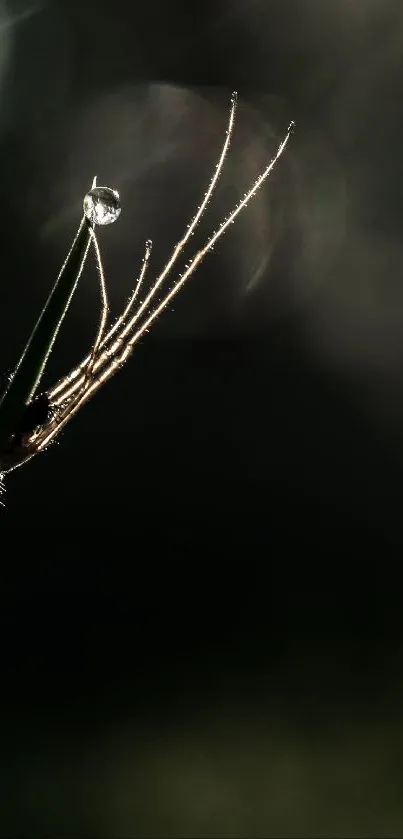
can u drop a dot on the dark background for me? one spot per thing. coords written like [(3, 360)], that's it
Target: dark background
[(201, 612)]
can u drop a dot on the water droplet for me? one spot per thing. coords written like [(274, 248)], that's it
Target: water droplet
[(102, 205)]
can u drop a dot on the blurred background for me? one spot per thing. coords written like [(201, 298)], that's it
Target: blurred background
[(201, 611)]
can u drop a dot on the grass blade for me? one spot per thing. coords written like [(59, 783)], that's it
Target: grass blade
[(30, 368)]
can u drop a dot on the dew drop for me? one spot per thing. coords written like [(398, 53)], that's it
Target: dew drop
[(102, 205)]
